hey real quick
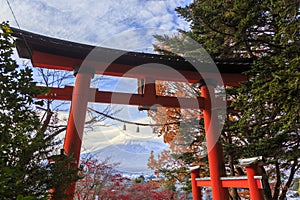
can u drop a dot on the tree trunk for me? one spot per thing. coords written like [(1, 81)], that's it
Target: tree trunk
[(235, 195), (278, 181), (265, 181), (289, 181)]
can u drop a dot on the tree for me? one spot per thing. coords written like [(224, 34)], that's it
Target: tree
[(98, 179), (177, 121), (268, 32), (183, 130), (25, 142), (152, 191), (101, 180), (171, 170)]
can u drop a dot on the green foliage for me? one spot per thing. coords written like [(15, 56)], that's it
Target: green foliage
[(140, 179), (21, 197), (241, 28), (62, 173), (25, 145), (270, 99)]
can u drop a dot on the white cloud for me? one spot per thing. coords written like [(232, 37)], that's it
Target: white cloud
[(93, 21)]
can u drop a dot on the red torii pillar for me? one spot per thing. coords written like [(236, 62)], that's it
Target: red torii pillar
[(75, 126), (196, 191), (214, 147)]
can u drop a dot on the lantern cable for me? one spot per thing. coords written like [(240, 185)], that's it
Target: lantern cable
[(130, 122)]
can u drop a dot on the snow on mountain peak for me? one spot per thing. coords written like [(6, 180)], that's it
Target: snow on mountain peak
[(132, 154)]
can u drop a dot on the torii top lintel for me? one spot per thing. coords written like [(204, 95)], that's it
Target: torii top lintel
[(52, 53)]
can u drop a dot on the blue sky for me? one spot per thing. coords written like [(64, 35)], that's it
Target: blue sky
[(122, 24)]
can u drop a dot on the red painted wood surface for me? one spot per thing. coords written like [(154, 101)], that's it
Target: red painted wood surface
[(214, 148), (196, 191), (50, 61), (94, 95)]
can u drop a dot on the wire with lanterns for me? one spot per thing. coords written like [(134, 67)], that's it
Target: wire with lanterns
[(130, 122)]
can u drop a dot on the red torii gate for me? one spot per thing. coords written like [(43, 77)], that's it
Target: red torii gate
[(51, 53)]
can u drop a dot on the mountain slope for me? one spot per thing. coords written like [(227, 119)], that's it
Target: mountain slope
[(131, 154)]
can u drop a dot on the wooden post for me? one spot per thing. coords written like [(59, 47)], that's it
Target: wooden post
[(75, 126), (196, 191), (255, 192), (214, 148)]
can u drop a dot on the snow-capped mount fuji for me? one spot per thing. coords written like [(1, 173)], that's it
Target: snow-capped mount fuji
[(132, 154), (140, 146)]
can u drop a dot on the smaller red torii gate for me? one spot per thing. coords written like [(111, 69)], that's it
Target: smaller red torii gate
[(51, 53)]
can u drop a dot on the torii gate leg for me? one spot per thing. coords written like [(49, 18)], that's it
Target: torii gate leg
[(196, 191), (74, 133), (215, 152), (255, 192)]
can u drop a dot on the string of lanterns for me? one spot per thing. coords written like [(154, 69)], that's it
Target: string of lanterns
[(138, 124)]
